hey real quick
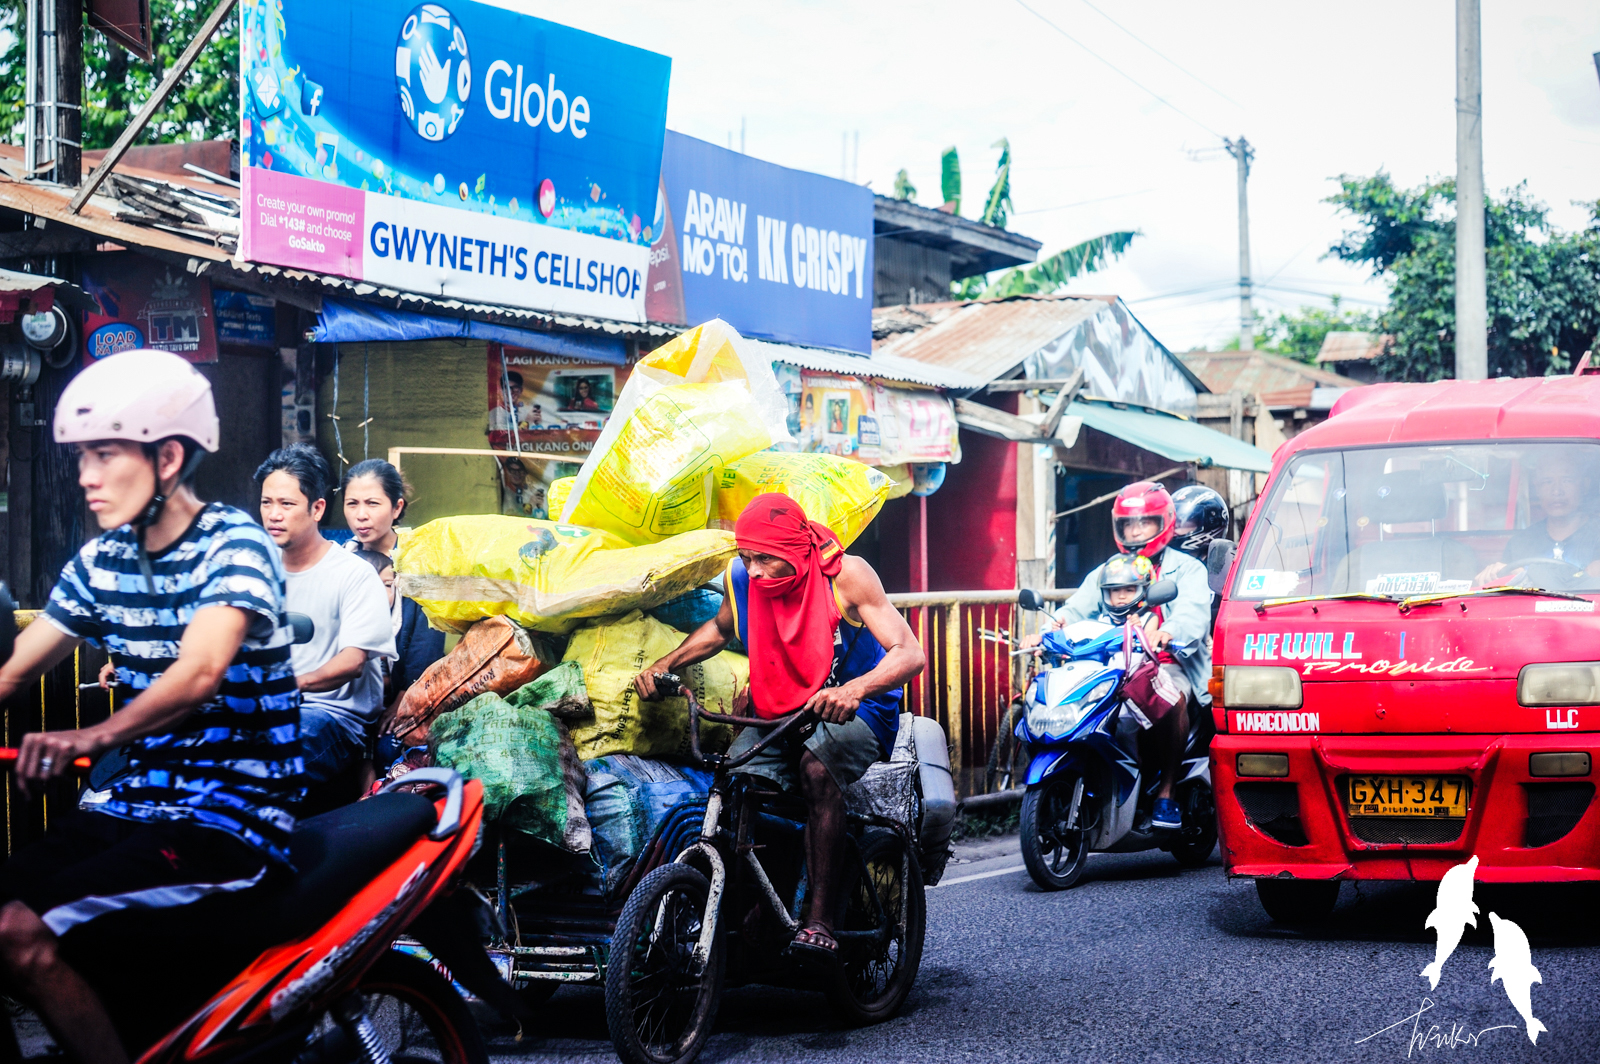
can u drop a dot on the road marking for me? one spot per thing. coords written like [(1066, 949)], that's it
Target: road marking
[(977, 875)]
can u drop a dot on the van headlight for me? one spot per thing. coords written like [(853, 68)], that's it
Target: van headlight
[(1054, 722), (1571, 683), (1261, 687)]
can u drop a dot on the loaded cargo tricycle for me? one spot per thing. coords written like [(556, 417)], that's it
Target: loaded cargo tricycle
[(1406, 669), (716, 895)]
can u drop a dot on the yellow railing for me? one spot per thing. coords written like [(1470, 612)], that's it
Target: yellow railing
[(972, 676)]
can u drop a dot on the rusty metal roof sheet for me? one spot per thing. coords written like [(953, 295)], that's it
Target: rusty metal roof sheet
[(988, 338), (885, 367), (1344, 346), (1260, 373)]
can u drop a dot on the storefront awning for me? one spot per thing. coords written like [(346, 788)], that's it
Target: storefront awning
[(1171, 436), (342, 322)]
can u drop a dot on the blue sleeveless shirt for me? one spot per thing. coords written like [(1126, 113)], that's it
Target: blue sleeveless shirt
[(856, 652)]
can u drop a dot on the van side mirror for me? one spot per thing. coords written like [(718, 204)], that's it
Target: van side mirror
[(1161, 592), (1030, 599), (1219, 559)]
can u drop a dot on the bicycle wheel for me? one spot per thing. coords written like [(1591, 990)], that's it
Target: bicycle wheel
[(418, 1014), (1008, 756), (1053, 853), (874, 977), (660, 1005)]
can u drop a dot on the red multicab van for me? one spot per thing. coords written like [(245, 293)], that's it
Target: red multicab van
[(1408, 652)]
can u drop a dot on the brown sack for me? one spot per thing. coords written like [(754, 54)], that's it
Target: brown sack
[(496, 654)]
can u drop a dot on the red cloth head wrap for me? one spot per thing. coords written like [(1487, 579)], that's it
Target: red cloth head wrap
[(792, 619)]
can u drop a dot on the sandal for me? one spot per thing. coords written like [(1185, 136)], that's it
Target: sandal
[(814, 942)]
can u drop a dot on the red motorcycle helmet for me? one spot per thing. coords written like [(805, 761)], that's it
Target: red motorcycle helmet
[(1141, 501)]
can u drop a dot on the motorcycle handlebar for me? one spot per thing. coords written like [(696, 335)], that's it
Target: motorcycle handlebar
[(8, 757)]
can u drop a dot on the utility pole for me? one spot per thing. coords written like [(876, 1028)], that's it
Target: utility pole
[(1472, 314), (1242, 153), (54, 91)]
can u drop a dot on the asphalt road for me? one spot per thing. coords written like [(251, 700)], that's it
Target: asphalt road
[(1146, 961)]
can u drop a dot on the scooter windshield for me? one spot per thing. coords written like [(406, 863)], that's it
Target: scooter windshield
[(1428, 519)]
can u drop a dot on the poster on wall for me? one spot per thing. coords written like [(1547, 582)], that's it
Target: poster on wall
[(458, 149), (146, 304), (244, 319), (779, 254), (867, 420)]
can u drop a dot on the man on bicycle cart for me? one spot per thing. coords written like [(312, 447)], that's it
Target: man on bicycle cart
[(822, 637)]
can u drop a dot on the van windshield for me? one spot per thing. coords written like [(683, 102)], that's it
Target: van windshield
[(1424, 519)]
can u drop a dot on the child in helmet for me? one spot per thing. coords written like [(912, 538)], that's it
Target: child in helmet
[(1143, 520)]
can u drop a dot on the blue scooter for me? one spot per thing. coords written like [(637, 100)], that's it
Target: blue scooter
[(1086, 791)]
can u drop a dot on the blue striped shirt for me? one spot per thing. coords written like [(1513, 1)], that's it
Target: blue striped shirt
[(234, 762)]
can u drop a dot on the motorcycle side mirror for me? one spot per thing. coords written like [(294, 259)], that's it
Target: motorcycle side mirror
[(1161, 592), (1030, 599), (303, 627)]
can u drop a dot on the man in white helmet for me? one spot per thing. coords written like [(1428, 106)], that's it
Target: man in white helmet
[(188, 597)]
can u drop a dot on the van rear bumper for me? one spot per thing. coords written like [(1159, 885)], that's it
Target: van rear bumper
[(1524, 829)]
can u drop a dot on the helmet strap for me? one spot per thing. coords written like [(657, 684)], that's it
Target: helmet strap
[(152, 513)]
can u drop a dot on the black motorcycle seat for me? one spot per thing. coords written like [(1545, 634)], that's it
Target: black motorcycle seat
[(339, 852)]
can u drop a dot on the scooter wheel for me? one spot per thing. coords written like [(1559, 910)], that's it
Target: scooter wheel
[(660, 1005), (1054, 855), (404, 994)]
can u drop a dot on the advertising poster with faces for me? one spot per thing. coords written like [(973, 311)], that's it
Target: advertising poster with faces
[(867, 420), (551, 408)]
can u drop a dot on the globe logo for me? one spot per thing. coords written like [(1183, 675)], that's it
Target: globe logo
[(432, 75)]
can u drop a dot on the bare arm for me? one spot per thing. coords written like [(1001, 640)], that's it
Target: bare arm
[(903, 658), (704, 642), (208, 646), (335, 672), (39, 646)]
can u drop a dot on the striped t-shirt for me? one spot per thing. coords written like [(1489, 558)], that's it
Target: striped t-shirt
[(233, 763)]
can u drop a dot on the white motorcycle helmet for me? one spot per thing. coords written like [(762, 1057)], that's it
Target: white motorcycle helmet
[(142, 396)]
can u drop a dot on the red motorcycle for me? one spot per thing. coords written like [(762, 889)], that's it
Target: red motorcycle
[(331, 990)]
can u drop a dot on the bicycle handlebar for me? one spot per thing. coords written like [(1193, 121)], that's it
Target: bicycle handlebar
[(8, 756), (671, 684)]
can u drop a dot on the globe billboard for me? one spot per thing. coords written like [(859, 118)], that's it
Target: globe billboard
[(456, 149)]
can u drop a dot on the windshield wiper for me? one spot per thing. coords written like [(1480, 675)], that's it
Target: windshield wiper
[(1347, 596), (1505, 589)]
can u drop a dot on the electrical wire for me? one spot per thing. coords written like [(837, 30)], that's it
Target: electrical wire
[(1118, 71), (1158, 52), (366, 403), (338, 441), (1085, 203)]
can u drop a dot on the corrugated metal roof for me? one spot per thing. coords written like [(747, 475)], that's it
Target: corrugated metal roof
[(989, 339), (1351, 346), (1259, 373), (16, 281), (881, 366)]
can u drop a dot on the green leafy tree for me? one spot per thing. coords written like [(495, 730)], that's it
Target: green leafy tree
[(1299, 334), (204, 106), (950, 179), (1050, 275), (903, 188), (1543, 284)]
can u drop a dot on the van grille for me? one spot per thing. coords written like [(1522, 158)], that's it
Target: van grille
[(1554, 809), (1273, 809), (1411, 830)]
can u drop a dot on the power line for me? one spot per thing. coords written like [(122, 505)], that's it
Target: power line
[(1158, 52), (1118, 71), (1085, 203)]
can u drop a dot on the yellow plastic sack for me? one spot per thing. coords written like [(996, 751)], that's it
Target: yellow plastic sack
[(611, 655), (544, 575), (556, 495), (842, 494), (688, 408), (903, 481)]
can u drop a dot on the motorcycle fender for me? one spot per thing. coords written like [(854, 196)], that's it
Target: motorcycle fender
[(1049, 763), (1197, 768)]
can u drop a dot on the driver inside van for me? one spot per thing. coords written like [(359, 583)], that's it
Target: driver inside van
[(1559, 487)]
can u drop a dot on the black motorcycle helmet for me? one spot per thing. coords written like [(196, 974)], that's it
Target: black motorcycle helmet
[(1124, 571), (1202, 516)]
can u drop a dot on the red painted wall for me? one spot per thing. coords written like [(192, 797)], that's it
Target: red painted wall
[(972, 519)]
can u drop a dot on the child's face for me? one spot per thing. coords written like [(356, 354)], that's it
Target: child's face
[(387, 576), (1119, 596)]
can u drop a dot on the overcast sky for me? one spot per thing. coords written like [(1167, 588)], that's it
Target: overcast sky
[(1319, 89)]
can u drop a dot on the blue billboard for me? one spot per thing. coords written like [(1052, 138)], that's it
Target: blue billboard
[(779, 254), (453, 148)]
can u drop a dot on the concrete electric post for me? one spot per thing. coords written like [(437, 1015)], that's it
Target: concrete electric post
[(1242, 153), (1472, 298)]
